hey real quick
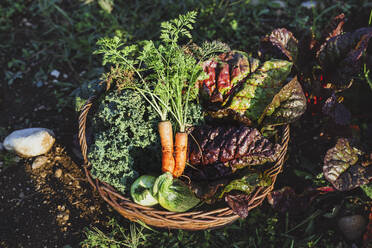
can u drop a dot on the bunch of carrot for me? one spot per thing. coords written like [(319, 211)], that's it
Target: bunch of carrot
[(173, 157)]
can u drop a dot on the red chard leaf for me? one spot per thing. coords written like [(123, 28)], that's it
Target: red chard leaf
[(283, 40), (232, 146), (340, 57), (208, 85), (334, 28), (343, 166), (287, 106), (256, 91)]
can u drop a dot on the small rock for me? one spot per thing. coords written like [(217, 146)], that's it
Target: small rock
[(55, 73), (58, 173), (39, 161), (66, 217), (30, 142), (43, 174), (352, 226), (21, 195)]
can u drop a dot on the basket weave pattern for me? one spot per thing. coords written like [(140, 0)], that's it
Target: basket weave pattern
[(195, 220)]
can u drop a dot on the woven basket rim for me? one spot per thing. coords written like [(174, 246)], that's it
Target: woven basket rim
[(191, 220)]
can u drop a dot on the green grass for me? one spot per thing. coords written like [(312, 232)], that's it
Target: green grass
[(42, 35)]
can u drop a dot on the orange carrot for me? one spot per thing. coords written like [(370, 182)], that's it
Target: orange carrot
[(166, 140), (180, 153)]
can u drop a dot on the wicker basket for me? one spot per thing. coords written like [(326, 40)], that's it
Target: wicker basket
[(195, 220)]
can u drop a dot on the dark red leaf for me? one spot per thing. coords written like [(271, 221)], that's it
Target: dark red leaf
[(340, 57), (286, 200), (239, 203), (334, 28), (233, 146), (337, 111), (343, 166), (282, 40)]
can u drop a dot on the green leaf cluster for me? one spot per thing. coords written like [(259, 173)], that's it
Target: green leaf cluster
[(125, 128), (166, 72)]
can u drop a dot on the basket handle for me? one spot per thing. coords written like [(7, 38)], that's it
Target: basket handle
[(82, 126)]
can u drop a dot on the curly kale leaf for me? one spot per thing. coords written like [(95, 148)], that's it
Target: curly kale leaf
[(343, 168), (126, 141), (124, 128), (286, 106)]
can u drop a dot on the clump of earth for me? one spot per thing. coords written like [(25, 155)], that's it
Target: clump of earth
[(48, 206)]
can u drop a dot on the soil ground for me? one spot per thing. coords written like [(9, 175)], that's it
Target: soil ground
[(48, 206)]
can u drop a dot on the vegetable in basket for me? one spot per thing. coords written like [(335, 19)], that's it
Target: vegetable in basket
[(232, 146), (124, 129), (173, 194), (251, 92), (141, 191), (170, 85)]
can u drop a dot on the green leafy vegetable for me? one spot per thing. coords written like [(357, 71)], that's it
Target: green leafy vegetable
[(247, 183), (173, 194), (141, 190), (286, 106), (336, 55), (342, 166), (232, 146), (256, 91), (166, 73), (284, 41), (367, 188), (125, 128)]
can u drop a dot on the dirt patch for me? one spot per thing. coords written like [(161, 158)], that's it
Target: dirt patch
[(48, 206)]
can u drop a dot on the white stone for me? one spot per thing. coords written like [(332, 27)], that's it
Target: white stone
[(55, 73), (58, 173), (39, 161), (30, 142)]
